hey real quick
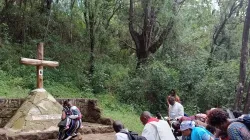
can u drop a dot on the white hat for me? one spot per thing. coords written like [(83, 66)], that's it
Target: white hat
[(187, 125)]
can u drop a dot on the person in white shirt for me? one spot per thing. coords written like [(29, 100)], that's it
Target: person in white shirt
[(155, 129), (119, 128), (175, 110)]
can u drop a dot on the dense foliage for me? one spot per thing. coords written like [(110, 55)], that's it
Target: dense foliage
[(199, 57)]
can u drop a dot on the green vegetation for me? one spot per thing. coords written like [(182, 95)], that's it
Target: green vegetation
[(108, 103), (191, 46)]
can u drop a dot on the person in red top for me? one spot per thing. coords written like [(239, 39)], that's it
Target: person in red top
[(173, 94), (155, 129)]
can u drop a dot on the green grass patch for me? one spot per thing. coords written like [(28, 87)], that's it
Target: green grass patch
[(125, 113)]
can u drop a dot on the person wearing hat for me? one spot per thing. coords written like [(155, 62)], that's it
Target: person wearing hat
[(190, 132)]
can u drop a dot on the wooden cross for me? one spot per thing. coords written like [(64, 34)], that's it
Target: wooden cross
[(39, 63)]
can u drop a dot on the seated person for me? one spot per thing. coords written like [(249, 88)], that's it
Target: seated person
[(72, 115), (119, 128), (235, 130), (175, 110), (190, 132), (155, 129)]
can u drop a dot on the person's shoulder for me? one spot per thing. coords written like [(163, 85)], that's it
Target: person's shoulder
[(200, 129), (73, 107), (179, 104), (121, 136), (236, 125), (162, 121)]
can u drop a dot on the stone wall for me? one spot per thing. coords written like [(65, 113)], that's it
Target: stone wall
[(88, 107)]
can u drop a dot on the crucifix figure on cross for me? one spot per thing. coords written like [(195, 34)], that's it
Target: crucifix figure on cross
[(39, 63)]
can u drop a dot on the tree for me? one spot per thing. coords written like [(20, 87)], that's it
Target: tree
[(96, 15), (243, 63), (148, 38), (220, 36)]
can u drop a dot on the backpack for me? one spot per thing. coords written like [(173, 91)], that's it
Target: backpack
[(133, 136)]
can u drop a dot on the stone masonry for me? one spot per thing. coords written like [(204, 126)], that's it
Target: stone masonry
[(88, 107)]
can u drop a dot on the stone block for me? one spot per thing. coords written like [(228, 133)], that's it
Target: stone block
[(3, 121), (7, 112)]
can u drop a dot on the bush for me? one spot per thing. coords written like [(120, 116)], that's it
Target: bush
[(149, 86)]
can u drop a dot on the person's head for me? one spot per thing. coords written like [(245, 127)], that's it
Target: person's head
[(186, 127), (117, 126), (145, 116), (65, 103), (173, 92), (237, 113), (218, 118), (158, 115), (171, 100)]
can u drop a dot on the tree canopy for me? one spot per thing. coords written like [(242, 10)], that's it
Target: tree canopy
[(136, 50)]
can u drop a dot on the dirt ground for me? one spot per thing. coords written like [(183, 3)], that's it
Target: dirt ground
[(105, 136)]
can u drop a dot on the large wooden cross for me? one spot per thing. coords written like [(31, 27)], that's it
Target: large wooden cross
[(39, 63)]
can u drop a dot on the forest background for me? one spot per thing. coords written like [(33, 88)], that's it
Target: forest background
[(129, 54)]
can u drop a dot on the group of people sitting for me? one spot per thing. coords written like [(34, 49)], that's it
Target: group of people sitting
[(212, 125)]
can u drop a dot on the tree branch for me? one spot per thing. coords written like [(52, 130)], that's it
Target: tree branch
[(162, 37), (128, 45), (133, 33), (113, 13), (217, 32)]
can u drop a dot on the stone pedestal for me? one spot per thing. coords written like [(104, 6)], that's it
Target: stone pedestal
[(40, 112)]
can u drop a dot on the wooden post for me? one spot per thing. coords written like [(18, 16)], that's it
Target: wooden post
[(39, 69)]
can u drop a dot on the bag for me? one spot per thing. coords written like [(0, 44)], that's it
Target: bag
[(246, 121), (62, 123), (133, 136)]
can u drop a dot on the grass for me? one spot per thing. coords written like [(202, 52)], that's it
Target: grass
[(125, 113), (14, 87)]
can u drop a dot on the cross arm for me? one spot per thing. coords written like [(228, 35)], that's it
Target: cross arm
[(36, 62)]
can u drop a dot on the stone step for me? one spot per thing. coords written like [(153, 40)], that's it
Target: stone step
[(88, 128)]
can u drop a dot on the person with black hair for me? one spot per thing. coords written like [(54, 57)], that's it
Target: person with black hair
[(119, 129), (72, 117), (235, 130), (159, 116), (174, 94), (175, 109)]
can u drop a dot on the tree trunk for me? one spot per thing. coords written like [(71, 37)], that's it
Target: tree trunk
[(245, 43), (243, 62), (92, 42), (147, 42)]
